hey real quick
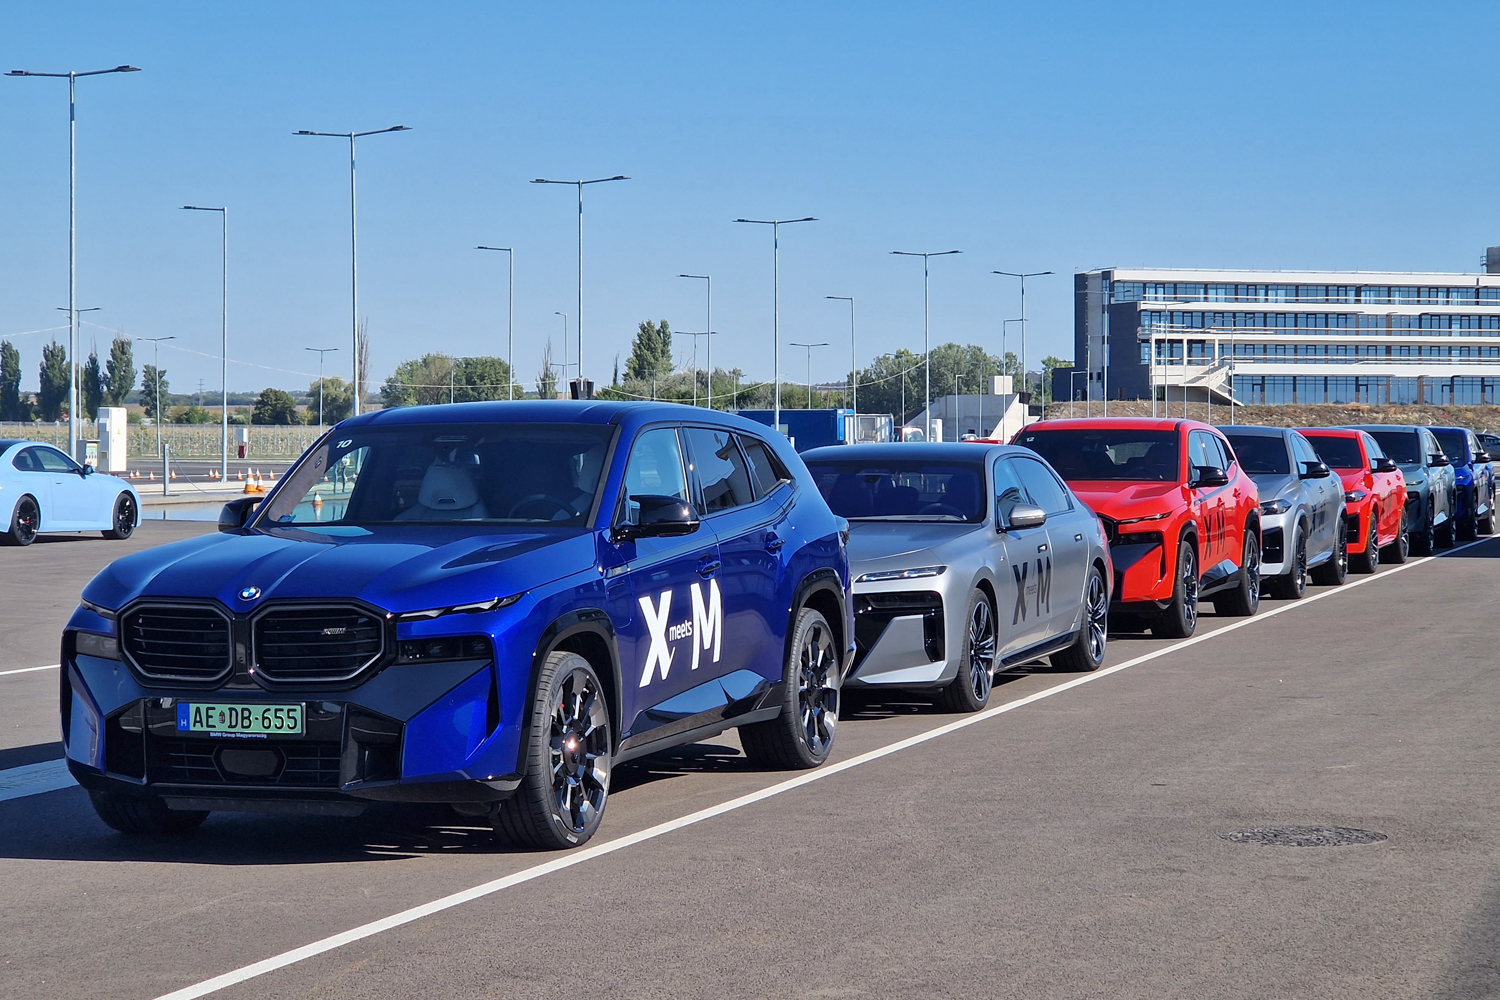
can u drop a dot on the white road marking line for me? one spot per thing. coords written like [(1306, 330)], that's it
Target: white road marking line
[(29, 670), (34, 779), (578, 857)]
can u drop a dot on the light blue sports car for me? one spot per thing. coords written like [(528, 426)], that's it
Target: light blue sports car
[(42, 489)]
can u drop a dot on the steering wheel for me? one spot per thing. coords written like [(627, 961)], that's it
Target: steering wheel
[(941, 508), (540, 498)]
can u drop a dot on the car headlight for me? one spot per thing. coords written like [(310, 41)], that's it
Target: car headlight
[(901, 574), (97, 609), (1354, 496), (1148, 517), (106, 647), (1278, 506), (459, 609)]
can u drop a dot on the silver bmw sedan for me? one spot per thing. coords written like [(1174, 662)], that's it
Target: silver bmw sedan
[(948, 539)]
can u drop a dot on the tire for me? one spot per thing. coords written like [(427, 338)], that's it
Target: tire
[(1292, 586), (1398, 551), (1424, 542), (969, 691), (802, 735), (1087, 652), (1335, 571), (25, 522), (143, 817), (1468, 528), (568, 748), (1244, 599), (123, 518), (1180, 619), (1447, 535), (1368, 560)]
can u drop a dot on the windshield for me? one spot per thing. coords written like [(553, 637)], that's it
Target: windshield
[(1404, 447), (1455, 444), (1339, 452), (1085, 455), (907, 491), (1261, 455), (532, 474)]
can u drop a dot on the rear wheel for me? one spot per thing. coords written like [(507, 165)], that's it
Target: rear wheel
[(802, 735), (142, 816), (1335, 571), (1180, 618), (1244, 599), (1468, 528), (1424, 541), (1291, 586), (970, 690), (1087, 652), (1369, 559), (25, 522), (123, 521)]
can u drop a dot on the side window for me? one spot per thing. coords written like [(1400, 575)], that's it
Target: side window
[(1302, 450), (25, 460), (1430, 445), (765, 471), (722, 475), (1227, 449), (1372, 447), (1200, 451), (1046, 492), (53, 460), (1220, 452), (654, 469), (1008, 491)]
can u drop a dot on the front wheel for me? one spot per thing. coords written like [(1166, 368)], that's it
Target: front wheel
[(1400, 550), (1293, 585), (1369, 560), (1468, 528), (802, 735), (1087, 651), (970, 690), (140, 816), (25, 522), (1244, 599), (1335, 571), (1447, 535), (561, 800), (122, 523), (1180, 618), (1423, 542)]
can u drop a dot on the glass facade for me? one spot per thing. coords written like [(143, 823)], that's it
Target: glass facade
[(1337, 389), (1186, 291)]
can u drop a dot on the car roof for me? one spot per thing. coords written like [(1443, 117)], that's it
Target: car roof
[(1116, 423), (7, 445), (1348, 432), (1372, 428), (548, 411), (955, 451), (1255, 430), (1461, 430)]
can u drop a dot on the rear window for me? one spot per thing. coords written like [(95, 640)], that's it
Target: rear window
[(1085, 455), (1405, 447), (1339, 452), (1261, 455), (906, 491)]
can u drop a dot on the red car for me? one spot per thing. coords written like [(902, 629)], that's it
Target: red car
[(1374, 496), (1183, 518)]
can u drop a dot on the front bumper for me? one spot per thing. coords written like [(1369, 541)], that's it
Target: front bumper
[(1276, 534), (904, 631), (1141, 568)]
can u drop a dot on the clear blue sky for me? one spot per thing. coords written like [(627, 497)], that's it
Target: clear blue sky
[(1043, 136)]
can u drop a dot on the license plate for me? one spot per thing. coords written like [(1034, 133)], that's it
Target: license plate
[(239, 720)]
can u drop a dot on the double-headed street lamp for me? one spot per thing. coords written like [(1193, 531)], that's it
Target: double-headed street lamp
[(579, 315), (1023, 277), (223, 336), (73, 310), (510, 324), (809, 366), (320, 351), (926, 331), (776, 225), (354, 241), (853, 354), (709, 332)]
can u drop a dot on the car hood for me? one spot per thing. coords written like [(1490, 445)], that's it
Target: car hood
[(1353, 479), (876, 545), (1271, 487), (1122, 500), (397, 569)]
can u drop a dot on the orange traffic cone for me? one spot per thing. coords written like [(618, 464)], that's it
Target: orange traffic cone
[(151, 476)]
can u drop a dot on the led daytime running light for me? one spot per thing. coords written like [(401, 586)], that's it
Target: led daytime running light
[(1148, 517), (460, 609), (902, 574)]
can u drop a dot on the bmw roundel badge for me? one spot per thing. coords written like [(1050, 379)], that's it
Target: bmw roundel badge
[(249, 593)]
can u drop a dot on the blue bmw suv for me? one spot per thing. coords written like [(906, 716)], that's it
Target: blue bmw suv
[(485, 604)]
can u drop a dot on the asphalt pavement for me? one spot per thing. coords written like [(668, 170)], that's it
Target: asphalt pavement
[(1069, 842)]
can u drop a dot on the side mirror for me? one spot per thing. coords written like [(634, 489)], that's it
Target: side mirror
[(1384, 464), (1482, 457), (1437, 461), (1315, 470), (236, 512), (660, 517), (1208, 475), (1025, 515), (87, 470)]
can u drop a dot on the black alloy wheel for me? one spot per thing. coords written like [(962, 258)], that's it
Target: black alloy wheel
[(123, 522), (1180, 618), (1400, 550), (25, 522), (1447, 535), (1087, 652), (969, 691), (1424, 541), (1468, 528), (1292, 586), (1368, 560), (568, 748), (802, 735), (1244, 599), (1335, 571)]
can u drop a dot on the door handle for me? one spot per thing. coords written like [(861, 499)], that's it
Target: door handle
[(774, 542), (708, 567)]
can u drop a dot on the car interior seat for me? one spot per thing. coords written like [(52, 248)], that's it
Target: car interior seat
[(447, 493)]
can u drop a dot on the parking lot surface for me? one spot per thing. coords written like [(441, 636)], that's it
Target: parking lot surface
[(1069, 842)]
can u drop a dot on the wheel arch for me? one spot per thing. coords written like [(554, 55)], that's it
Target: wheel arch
[(589, 633), (823, 591)]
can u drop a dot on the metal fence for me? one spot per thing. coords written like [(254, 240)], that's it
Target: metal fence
[(182, 440)]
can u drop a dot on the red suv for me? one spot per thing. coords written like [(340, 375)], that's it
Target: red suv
[(1374, 496), (1183, 518)]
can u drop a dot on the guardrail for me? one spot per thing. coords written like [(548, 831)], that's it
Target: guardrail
[(183, 440)]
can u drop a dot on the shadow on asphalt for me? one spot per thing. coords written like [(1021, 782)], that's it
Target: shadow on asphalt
[(1472, 969), (34, 754)]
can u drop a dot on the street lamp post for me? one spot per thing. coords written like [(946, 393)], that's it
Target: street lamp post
[(579, 314), (926, 330), (694, 364), (155, 343), (566, 365), (853, 354), (73, 310), (1023, 277), (223, 335), (710, 331), (809, 367), (1004, 329), (510, 323), (354, 242), (776, 225), (320, 351)]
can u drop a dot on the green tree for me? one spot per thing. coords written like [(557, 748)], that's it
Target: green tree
[(54, 381), (274, 406), (10, 382), (482, 378), (650, 352), (153, 387), (190, 415), (338, 400), (91, 384), (119, 372), (546, 379)]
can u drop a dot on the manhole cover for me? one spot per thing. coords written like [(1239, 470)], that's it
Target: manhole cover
[(1303, 836)]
